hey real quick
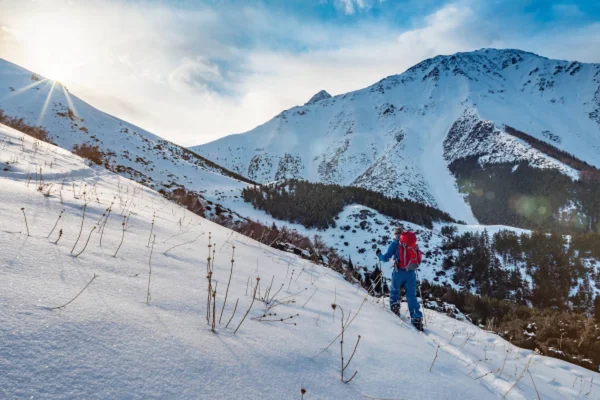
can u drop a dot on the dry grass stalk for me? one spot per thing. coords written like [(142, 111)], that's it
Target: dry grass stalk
[(87, 241), (25, 216), (435, 358), (124, 225), (232, 315), (311, 296), (344, 325), (525, 370), (214, 310), (183, 244), (151, 229), (535, 387), (347, 325), (81, 227), (59, 236), (249, 308), (228, 283), (150, 271), (56, 223), (73, 299)]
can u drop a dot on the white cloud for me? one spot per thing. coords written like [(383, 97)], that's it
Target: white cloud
[(192, 76), (351, 6)]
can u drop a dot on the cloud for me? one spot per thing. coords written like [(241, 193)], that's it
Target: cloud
[(351, 6), (194, 74)]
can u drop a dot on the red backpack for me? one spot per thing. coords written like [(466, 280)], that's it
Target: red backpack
[(409, 251)]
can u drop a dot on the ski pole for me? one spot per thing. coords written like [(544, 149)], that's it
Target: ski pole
[(422, 299)]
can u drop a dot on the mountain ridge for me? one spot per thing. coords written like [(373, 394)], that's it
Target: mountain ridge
[(388, 136)]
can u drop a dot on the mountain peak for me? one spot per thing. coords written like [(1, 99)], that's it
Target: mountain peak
[(322, 95)]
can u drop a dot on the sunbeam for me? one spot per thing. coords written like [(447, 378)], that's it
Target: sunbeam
[(68, 97), (23, 89), (46, 103)]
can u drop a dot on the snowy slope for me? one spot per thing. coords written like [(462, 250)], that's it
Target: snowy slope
[(391, 137), (132, 151), (108, 343)]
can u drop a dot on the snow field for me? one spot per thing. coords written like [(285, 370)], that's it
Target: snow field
[(108, 343)]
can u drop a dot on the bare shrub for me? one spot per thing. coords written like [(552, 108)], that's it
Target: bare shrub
[(17, 123), (89, 152)]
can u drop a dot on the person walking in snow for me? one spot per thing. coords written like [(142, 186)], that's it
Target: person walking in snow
[(407, 258)]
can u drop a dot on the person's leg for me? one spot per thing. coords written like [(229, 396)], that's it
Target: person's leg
[(410, 285), (395, 292)]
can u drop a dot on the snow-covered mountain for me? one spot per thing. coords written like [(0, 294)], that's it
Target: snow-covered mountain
[(90, 308), (127, 149), (386, 118), (399, 135)]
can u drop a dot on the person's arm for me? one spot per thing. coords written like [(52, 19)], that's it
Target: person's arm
[(389, 253)]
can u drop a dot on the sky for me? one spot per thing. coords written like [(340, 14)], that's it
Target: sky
[(194, 71)]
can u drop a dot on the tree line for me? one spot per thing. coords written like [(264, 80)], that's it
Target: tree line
[(533, 198), (316, 205)]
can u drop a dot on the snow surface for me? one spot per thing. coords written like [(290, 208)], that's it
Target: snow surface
[(389, 137), (108, 343)]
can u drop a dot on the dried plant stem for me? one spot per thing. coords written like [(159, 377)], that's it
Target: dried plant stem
[(183, 244), (232, 315), (504, 363), (59, 236), (338, 336), (122, 236), (86, 243), (275, 295), (151, 230), (350, 360), (80, 228), (150, 271), (209, 278), (25, 216), (534, 385), (214, 311), (249, 308), (209, 297), (344, 324), (73, 299), (56, 223), (311, 296), (104, 224), (228, 283), (435, 358), (266, 298), (525, 369)]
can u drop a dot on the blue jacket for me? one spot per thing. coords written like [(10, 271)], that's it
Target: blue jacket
[(392, 251)]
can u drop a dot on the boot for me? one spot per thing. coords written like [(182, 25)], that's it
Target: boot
[(396, 309), (418, 323)]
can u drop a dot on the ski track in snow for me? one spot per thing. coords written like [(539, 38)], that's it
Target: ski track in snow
[(108, 343)]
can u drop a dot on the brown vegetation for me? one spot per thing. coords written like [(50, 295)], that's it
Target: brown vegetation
[(17, 123), (89, 152)]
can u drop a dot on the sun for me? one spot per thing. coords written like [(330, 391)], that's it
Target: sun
[(56, 72)]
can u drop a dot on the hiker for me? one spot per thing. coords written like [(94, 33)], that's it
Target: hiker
[(407, 258)]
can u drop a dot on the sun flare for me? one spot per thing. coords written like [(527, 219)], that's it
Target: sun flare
[(57, 72)]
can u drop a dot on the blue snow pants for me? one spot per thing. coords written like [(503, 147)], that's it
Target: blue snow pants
[(409, 280)]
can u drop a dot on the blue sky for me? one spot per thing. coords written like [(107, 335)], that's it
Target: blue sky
[(193, 70)]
